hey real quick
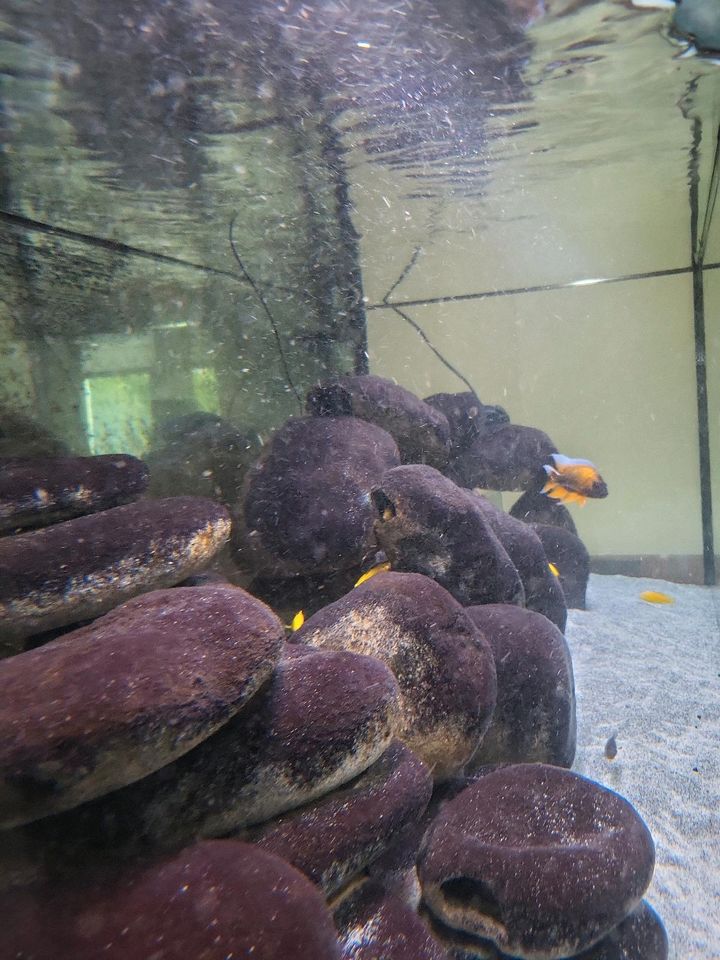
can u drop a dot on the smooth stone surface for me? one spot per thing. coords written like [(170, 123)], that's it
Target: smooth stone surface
[(534, 719), (539, 860), (343, 833), (570, 556), (536, 507), (81, 568), (543, 592), (640, 936), (375, 925), (467, 416), (421, 432), (507, 456), (427, 524), (306, 507), (444, 667), (213, 901), (323, 719), (110, 703), (36, 492)]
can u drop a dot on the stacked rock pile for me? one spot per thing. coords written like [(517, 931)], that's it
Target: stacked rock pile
[(182, 777)]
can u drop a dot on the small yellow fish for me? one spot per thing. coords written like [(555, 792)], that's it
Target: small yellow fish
[(573, 481), (378, 568), (553, 569), (654, 596), (298, 620)]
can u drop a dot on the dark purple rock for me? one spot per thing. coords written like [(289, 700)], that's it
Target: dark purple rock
[(506, 457), (536, 507), (375, 925), (426, 524), (539, 860), (640, 936), (342, 834), (81, 568), (468, 417), (306, 506), (36, 492), (543, 593), (421, 432), (201, 454), (534, 720), (287, 595), (569, 555), (323, 719), (112, 702), (212, 901), (444, 667)]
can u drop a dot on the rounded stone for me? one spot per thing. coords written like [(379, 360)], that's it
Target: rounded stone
[(571, 558), (507, 456), (640, 936), (534, 719), (36, 492), (543, 592), (444, 667), (200, 454), (467, 416), (536, 507), (539, 860), (306, 507), (427, 524), (421, 432), (215, 900), (110, 703), (340, 835), (323, 719), (375, 925), (81, 568)]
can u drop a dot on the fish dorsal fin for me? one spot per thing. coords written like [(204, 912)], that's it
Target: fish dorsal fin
[(562, 461)]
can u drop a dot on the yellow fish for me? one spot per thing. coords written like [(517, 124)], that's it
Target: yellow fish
[(298, 620), (573, 481), (654, 596), (378, 568), (553, 569)]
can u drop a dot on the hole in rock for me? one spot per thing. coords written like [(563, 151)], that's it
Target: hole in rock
[(383, 504), (474, 895)]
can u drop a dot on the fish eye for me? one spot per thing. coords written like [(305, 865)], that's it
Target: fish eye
[(384, 505)]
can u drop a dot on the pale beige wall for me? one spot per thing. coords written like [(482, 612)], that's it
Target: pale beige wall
[(712, 344), (606, 371), (598, 189)]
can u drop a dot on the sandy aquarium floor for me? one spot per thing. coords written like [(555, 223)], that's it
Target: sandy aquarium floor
[(650, 675)]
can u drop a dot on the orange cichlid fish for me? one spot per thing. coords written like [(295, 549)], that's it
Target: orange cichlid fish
[(553, 569), (654, 596), (298, 620), (573, 481), (378, 568)]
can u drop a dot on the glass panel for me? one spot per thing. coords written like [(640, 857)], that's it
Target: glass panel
[(241, 243)]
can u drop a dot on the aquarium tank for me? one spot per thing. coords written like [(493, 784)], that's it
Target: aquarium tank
[(359, 479)]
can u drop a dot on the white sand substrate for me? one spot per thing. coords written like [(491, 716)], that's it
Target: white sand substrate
[(650, 674)]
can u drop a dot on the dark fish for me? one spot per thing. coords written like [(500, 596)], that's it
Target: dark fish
[(611, 748)]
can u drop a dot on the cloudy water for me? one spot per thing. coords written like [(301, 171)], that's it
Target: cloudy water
[(305, 306)]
